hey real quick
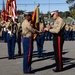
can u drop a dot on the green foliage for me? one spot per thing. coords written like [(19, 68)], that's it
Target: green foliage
[(73, 14), (70, 1), (20, 12), (67, 20), (71, 7)]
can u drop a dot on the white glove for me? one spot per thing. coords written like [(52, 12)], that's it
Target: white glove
[(4, 29), (9, 32)]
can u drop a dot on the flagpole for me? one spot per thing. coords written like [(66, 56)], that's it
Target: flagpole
[(49, 5), (4, 11), (34, 3), (49, 10)]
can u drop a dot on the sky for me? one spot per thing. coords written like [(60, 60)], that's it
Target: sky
[(60, 5)]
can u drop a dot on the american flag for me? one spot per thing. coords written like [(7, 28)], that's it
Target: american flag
[(8, 5), (11, 8), (14, 9)]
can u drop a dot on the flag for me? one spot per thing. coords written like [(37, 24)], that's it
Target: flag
[(35, 17), (8, 5), (3, 11), (9, 2), (35, 20), (11, 8), (14, 9)]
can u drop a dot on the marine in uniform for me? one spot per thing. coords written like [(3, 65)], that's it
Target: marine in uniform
[(67, 32), (3, 29), (19, 31), (58, 39), (73, 32), (40, 39), (11, 38), (70, 32), (0, 31), (27, 33), (47, 33)]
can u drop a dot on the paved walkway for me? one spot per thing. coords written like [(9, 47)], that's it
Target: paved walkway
[(40, 66)]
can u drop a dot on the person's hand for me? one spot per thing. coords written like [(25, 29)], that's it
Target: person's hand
[(46, 29), (40, 32)]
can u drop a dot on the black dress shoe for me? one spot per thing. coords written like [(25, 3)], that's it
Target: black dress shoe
[(19, 54), (29, 72), (14, 58), (56, 70), (41, 56), (9, 58)]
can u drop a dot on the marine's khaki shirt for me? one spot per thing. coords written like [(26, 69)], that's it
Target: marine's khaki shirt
[(41, 27), (73, 27), (58, 25), (27, 29), (67, 27), (19, 27), (18, 24), (7, 24), (3, 24)]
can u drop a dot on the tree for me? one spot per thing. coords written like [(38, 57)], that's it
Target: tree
[(67, 14), (70, 1), (64, 14), (73, 14), (20, 12), (72, 6)]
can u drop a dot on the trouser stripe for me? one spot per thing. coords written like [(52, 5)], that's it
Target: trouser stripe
[(59, 52), (29, 54)]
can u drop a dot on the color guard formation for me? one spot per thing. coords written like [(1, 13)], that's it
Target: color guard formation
[(12, 32)]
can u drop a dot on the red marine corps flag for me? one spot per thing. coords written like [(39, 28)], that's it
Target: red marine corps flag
[(35, 19)]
